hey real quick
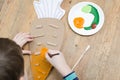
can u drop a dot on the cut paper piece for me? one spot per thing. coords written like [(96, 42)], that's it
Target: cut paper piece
[(39, 9), (49, 9), (39, 13)]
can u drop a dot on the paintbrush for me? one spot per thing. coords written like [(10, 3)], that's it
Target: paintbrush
[(81, 57)]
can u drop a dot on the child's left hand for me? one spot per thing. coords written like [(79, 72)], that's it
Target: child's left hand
[(21, 39)]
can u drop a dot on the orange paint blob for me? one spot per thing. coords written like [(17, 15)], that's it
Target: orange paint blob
[(43, 52), (78, 22), (40, 66)]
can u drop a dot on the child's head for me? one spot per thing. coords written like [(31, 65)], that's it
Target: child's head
[(11, 60)]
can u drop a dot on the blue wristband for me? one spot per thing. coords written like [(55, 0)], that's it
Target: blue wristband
[(71, 76)]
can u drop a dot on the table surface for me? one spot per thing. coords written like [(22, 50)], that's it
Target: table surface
[(102, 61)]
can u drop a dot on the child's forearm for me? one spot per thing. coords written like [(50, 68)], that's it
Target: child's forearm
[(57, 60), (64, 70), (67, 73)]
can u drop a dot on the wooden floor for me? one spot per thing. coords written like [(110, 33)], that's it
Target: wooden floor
[(102, 61)]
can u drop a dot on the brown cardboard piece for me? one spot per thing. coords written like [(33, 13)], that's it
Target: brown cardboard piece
[(48, 33)]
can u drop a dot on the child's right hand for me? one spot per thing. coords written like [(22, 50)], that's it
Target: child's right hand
[(57, 59)]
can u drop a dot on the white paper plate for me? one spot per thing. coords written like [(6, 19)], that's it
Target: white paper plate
[(76, 11)]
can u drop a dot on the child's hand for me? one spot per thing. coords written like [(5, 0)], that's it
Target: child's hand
[(21, 39), (57, 59)]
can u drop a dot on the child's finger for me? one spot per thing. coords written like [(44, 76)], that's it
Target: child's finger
[(48, 57), (26, 52), (17, 36), (28, 39), (52, 53)]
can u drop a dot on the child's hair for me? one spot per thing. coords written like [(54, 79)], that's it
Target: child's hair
[(11, 60)]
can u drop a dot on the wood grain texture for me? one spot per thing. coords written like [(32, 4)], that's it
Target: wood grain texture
[(102, 61), (1, 3)]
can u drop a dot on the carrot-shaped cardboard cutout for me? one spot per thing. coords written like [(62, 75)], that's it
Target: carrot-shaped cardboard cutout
[(48, 32)]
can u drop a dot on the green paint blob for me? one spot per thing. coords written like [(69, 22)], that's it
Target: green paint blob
[(91, 9), (88, 28), (87, 9), (94, 11)]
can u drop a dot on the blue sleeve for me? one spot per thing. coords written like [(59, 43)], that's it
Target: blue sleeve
[(71, 76)]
